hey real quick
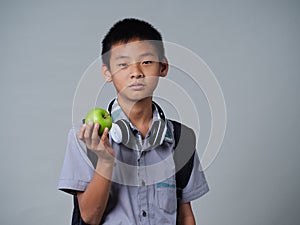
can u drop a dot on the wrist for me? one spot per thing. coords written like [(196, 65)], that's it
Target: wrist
[(105, 168)]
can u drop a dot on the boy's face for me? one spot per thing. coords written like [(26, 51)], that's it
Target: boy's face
[(135, 69)]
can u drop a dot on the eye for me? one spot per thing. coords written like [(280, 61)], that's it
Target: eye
[(147, 62), (122, 65)]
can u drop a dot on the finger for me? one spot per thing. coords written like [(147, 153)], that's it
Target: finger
[(88, 133), (95, 135), (81, 132), (104, 135), (88, 130), (104, 138)]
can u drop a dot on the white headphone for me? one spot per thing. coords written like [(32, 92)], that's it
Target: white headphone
[(121, 131)]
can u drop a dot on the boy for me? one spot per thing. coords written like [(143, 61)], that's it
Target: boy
[(133, 60)]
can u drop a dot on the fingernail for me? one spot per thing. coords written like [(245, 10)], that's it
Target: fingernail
[(90, 123)]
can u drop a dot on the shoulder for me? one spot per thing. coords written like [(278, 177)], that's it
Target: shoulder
[(182, 133)]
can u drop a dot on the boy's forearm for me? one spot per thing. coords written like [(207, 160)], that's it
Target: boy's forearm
[(93, 201), (186, 221), (185, 214)]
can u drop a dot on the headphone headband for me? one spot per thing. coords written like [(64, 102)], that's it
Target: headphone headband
[(159, 110)]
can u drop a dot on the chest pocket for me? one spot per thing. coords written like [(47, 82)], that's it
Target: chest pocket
[(166, 195)]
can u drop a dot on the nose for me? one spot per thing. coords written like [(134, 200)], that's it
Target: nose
[(136, 71)]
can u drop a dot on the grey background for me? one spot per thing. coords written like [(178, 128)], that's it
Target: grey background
[(253, 49)]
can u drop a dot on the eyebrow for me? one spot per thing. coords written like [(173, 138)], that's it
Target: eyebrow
[(121, 57), (146, 54), (127, 57)]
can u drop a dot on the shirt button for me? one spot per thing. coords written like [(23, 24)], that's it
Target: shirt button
[(144, 213), (143, 183)]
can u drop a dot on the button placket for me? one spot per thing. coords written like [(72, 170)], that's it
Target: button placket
[(143, 192)]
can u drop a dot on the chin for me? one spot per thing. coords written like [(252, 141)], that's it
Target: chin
[(135, 98)]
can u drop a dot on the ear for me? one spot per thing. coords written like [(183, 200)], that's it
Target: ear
[(164, 67), (106, 73)]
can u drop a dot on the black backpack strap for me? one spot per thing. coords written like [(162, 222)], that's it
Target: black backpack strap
[(184, 151)]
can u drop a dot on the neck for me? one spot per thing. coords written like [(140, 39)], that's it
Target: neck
[(139, 113)]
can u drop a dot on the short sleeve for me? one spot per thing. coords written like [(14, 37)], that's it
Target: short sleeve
[(77, 171), (197, 185)]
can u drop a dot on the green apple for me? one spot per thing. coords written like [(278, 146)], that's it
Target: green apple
[(101, 116)]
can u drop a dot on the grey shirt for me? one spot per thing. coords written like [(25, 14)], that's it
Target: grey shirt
[(143, 189)]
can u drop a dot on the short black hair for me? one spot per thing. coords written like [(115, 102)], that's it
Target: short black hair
[(128, 29)]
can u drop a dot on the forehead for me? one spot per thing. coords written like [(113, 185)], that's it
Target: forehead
[(133, 49)]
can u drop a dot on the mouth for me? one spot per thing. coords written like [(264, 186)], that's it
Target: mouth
[(137, 86)]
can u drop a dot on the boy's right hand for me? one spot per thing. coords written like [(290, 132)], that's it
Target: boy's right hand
[(100, 145)]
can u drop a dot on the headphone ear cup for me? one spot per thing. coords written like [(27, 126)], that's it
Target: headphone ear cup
[(128, 138), (116, 133), (158, 132), (125, 129)]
